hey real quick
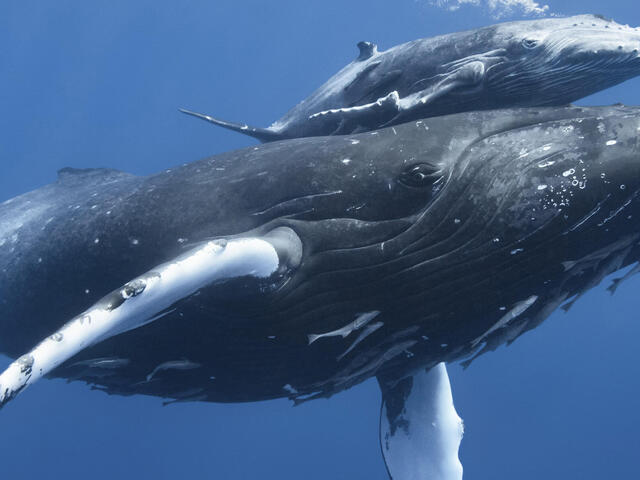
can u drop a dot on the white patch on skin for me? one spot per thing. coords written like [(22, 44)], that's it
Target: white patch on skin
[(343, 332), (11, 225), (140, 302), (391, 98), (546, 164)]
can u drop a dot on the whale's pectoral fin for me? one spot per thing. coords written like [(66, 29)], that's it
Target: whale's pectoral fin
[(262, 134), (364, 117), (391, 109), (420, 431), (149, 296), (461, 79)]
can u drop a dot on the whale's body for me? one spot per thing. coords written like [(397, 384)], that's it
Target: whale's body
[(301, 268), (501, 187), (543, 62)]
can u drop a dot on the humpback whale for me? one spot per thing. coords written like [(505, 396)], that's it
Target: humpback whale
[(544, 62), (301, 268)]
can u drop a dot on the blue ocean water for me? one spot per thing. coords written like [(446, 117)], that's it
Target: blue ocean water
[(98, 85)]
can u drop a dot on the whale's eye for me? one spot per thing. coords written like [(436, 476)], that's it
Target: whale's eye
[(420, 175), (529, 43)]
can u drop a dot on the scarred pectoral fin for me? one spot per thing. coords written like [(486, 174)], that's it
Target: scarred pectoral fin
[(467, 76), (145, 298), (370, 115), (391, 108), (420, 430)]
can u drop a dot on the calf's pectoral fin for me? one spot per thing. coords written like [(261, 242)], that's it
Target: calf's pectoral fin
[(369, 115), (420, 431), (467, 76), (145, 298)]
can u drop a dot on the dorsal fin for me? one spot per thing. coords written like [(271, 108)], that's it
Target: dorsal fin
[(367, 50), (262, 134)]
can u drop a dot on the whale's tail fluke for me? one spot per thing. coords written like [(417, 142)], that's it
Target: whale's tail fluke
[(262, 134)]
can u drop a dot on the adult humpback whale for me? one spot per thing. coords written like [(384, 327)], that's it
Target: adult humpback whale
[(545, 62), (302, 268)]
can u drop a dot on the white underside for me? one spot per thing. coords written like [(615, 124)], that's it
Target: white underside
[(424, 443), (163, 286)]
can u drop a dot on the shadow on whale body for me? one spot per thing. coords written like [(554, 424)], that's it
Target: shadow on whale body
[(301, 268), (544, 62)]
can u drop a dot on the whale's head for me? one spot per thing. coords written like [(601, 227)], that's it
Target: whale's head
[(531, 209), (558, 60), (465, 231)]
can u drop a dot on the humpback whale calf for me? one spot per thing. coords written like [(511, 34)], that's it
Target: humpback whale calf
[(301, 268), (544, 62)]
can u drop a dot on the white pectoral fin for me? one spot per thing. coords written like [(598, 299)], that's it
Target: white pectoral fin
[(466, 76), (420, 430), (145, 298), (383, 108)]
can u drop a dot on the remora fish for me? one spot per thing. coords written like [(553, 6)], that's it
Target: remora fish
[(173, 365), (343, 332), (463, 229), (544, 62)]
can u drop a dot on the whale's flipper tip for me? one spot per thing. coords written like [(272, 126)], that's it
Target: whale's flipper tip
[(262, 134), (147, 297), (420, 430)]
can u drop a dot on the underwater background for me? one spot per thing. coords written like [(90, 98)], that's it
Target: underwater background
[(98, 84)]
